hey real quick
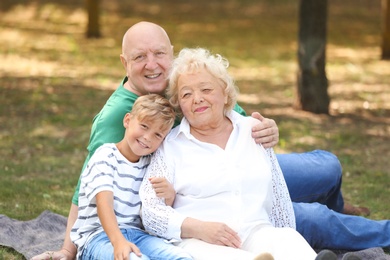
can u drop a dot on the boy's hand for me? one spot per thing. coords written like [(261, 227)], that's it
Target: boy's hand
[(163, 189), (123, 248)]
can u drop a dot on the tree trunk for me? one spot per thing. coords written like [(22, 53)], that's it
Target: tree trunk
[(386, 30), (93, 27), (312, 89)]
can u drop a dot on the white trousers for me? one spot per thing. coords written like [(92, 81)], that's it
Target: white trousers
[(282, 243)]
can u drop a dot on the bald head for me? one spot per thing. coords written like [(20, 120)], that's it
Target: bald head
[(142, 33), (147, 55)]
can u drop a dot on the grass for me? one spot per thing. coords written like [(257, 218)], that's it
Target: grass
[(53, 81)]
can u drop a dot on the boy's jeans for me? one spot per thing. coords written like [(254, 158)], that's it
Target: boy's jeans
[(151, 247)]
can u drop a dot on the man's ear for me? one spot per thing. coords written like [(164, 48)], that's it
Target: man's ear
[(124, 61)]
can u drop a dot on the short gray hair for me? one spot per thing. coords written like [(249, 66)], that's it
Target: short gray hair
[(191, 60)]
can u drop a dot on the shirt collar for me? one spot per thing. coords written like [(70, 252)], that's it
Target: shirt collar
[(184, 127)]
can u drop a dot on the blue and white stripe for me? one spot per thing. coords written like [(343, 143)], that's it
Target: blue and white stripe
[(109, 170)]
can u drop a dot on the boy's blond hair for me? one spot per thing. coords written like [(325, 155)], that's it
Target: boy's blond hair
[(156, 108)]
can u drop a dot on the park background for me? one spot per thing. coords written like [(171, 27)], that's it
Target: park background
[(53, 80)]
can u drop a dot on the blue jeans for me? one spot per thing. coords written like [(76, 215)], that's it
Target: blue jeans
[(313, 177), (314, 182), (151, 247), (325, 228)]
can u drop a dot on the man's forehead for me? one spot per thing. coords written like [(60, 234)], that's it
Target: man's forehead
[(149, 48)]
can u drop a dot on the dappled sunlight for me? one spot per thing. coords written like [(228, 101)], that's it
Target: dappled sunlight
[(284, 71), (22, 13), (12, 38), (358, 64), (351, 55), (253, 99), (49, 131), (359, 84), (50, 50), (25, 40), (360, 98), (147, 8), (197, 27), (20, 66), (264, 100)]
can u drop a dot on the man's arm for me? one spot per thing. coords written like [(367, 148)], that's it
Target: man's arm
[(68, 246), (68, 250), (266, 132)]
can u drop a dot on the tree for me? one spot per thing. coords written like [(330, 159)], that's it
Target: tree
[(386, 30), (312, 87), (93, 10)]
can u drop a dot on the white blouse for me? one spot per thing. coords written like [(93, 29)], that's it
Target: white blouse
[(241, 185)]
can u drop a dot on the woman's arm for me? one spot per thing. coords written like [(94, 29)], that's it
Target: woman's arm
[(158, 218), (282, 214)]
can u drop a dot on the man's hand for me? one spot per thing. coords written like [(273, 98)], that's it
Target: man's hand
[(266, 132), (55, 255)]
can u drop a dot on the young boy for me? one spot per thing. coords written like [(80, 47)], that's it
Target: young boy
[(109, 224)]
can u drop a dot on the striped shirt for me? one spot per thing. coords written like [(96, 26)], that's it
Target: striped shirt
[(108, 170)]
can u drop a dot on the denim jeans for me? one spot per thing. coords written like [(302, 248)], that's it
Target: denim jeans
[(314, 182), (313, 177), (151, 247), (325, 228)]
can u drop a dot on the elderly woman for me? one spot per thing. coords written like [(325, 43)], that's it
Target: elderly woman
[(231, 198)]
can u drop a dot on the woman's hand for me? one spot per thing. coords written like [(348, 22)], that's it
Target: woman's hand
[(220, 234), (211, 232), (266, 132)]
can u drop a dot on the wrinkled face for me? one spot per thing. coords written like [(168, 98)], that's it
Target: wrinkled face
[(143, 137), (147, 62), (201, 98)]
